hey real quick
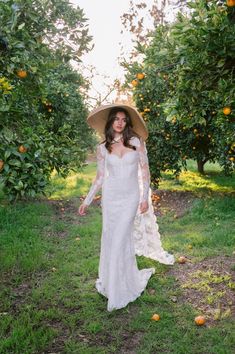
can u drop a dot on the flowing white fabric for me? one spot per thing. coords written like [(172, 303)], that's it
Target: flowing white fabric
[(125, 183), (147, 239)]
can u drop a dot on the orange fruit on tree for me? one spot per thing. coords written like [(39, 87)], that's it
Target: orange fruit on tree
[(232, 158), (200, 320), (22, 74), (230, 3), (140, 76), (1, 164), (134, 83), (226, 110), (155, 317), (22, 149)]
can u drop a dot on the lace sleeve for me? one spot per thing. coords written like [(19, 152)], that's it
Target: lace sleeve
[(144, 166), (97, 183)]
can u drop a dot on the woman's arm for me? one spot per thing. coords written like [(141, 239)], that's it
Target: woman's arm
[(98, 181), (144, 166)]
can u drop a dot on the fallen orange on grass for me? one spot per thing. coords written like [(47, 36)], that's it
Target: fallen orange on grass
[(226, 110), (182, 259), (155, 317), (200, 320)]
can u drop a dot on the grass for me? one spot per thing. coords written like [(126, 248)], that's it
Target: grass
[(213, 180), (49, 262)]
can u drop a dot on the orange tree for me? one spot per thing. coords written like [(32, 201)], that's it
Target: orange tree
[(42, 111), (187, 93)]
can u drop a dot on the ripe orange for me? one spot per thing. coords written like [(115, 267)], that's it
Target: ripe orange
[(182, 259), (22, 74), (230, 3), (134, 83), (1, 164), (22, 149), (226, 110), (200, 320), (155, 317), (232, 158), (140, 76)]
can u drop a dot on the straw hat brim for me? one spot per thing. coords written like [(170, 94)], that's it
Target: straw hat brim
[(97, 119)]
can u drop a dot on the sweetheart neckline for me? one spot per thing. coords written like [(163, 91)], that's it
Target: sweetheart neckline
[(126, 153)]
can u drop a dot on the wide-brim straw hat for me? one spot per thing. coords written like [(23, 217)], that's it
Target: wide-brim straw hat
[(97, 119)]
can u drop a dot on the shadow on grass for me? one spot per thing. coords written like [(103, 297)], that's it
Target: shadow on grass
[(212, 181)]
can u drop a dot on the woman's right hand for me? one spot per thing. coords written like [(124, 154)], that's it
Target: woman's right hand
[(82, 209)]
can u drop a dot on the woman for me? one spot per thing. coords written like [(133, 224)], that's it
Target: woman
[(119, 158)]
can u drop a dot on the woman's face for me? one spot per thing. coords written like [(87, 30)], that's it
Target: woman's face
[(119, 122)]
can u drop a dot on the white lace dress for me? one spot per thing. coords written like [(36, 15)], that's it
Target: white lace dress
[(125, 232)]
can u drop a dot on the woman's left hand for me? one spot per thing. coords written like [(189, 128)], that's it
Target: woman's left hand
[(144, 207)]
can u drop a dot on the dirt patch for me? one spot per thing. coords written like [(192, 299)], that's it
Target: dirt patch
[(130, 341), (176, 202), (65, 211), (208, 286)]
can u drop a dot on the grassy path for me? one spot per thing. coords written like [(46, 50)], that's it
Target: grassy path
[(50, 256)]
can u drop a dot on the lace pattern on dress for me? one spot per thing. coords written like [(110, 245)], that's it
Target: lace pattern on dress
[(144, 167)]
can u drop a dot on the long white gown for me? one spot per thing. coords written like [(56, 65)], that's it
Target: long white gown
[(125, 183)]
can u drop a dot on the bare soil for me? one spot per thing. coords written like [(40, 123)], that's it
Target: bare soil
[(208, 286)]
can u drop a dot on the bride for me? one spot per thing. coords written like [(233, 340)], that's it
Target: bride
[(128, 221)]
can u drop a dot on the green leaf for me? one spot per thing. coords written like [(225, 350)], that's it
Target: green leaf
[(21, 26), (14, 163)]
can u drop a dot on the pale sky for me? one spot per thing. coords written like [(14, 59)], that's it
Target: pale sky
[(105, 26)]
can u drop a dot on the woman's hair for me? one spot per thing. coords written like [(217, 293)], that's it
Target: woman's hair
[(127, 133)]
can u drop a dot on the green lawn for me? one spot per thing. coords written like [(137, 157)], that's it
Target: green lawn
[(49, 261)]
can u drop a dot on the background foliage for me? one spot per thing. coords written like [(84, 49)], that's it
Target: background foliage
[(186, 93), (42, 110)]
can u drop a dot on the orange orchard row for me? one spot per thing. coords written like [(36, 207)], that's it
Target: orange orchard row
[(22, 149), (140, 76)]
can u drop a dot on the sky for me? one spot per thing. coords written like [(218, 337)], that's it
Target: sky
[(104, 21), (105, 26)]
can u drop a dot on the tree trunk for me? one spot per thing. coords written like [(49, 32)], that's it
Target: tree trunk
[(200, 166)]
